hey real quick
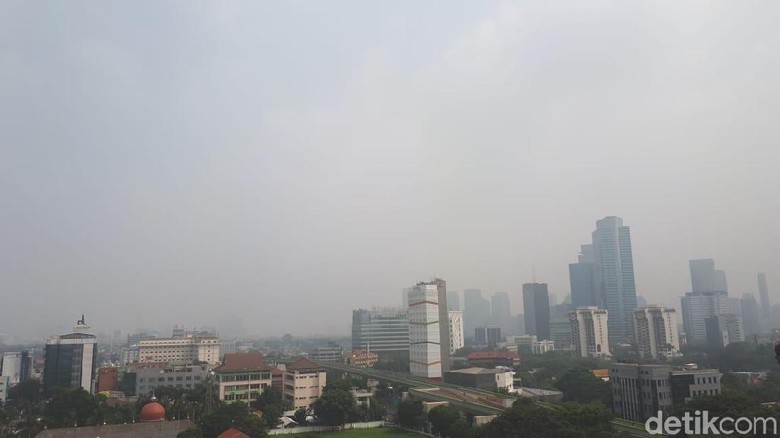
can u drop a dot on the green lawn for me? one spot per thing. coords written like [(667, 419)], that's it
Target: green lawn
[(377, 432)]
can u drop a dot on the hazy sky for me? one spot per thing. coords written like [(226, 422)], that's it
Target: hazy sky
[(281, 163)]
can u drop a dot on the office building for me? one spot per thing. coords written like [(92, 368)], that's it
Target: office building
[(751, 316), (303, 383), (428, 329), (582, 279), (536, 308), (655, 328), (719, 281), (384, 331), (590, 331), (150, 376), (188, 348), (488, 335), (724, 329), (5, 384), (457, 340), (702, 275), (640, 391), (327, 353), (242, 377), (499, 308), (476, 310), (696, 308), (70, 359), (17, 366), (614, 273), (560, 334)]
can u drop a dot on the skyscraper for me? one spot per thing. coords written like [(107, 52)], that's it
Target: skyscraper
[(614, 276), (702, 275), (456, 330), (750, 316), (724, 329), (536, 308), (499, 305), (476, 310), (583, 285), (696, 308), (70, 360), (429, 339), (590, 332), (763, 294), (655, 328)]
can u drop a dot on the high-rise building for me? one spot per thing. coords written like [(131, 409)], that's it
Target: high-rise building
[(763, 293), (641, 391), (457, 340), (384, 331), (536, 308), (614, 276), (750, 315), (428, 329), (488, 335), (70, 359), (453, 300), (702, 275), (590, 331), (655, 328), (696, 308), (724, 329), (476, 310), (583, 286), (719, 282), (560, 334), (499, 305)]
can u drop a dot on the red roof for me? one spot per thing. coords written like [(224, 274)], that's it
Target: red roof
[(243, 362), (232, 433), (303, 364)]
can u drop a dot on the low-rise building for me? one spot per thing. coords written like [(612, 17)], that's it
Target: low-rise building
[(493, 359), (243, 377), (327, 353), (640, 391), (108, 379), (150, 376), (192, 348), (303, 383), (489, 379), (365, 359), (543, 346)]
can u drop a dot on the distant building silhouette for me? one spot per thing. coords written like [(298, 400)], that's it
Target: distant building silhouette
[(536, 305), (500, 309), (763, 293), (696, 308), (750, 315), (476, 310)]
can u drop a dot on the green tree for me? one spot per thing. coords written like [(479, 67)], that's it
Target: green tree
[(300, 417), (526, 419), (581, 386), (335, 407), (410, 414), (71, 407), (443, 419)]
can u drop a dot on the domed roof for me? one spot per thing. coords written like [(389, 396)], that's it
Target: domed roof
[(152, 411)]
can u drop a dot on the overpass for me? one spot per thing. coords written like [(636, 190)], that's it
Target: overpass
[(471, 400)]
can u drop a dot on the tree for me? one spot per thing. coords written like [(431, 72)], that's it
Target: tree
[(335, 407), (443, 419), (570, 420), (410, 414), (71, 407), (581, 386), (300, 417)]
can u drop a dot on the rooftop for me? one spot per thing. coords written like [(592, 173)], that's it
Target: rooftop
[(477, 370), (243, 362), (303, 364)]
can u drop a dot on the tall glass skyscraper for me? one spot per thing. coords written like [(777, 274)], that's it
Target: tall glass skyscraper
[(614, 276)]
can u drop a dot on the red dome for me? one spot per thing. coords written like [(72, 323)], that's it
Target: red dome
[(152, 411)]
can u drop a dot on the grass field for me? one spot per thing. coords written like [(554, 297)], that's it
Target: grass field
[(377, 432)]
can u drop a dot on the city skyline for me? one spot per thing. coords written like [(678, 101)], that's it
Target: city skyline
[(249, 161)]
